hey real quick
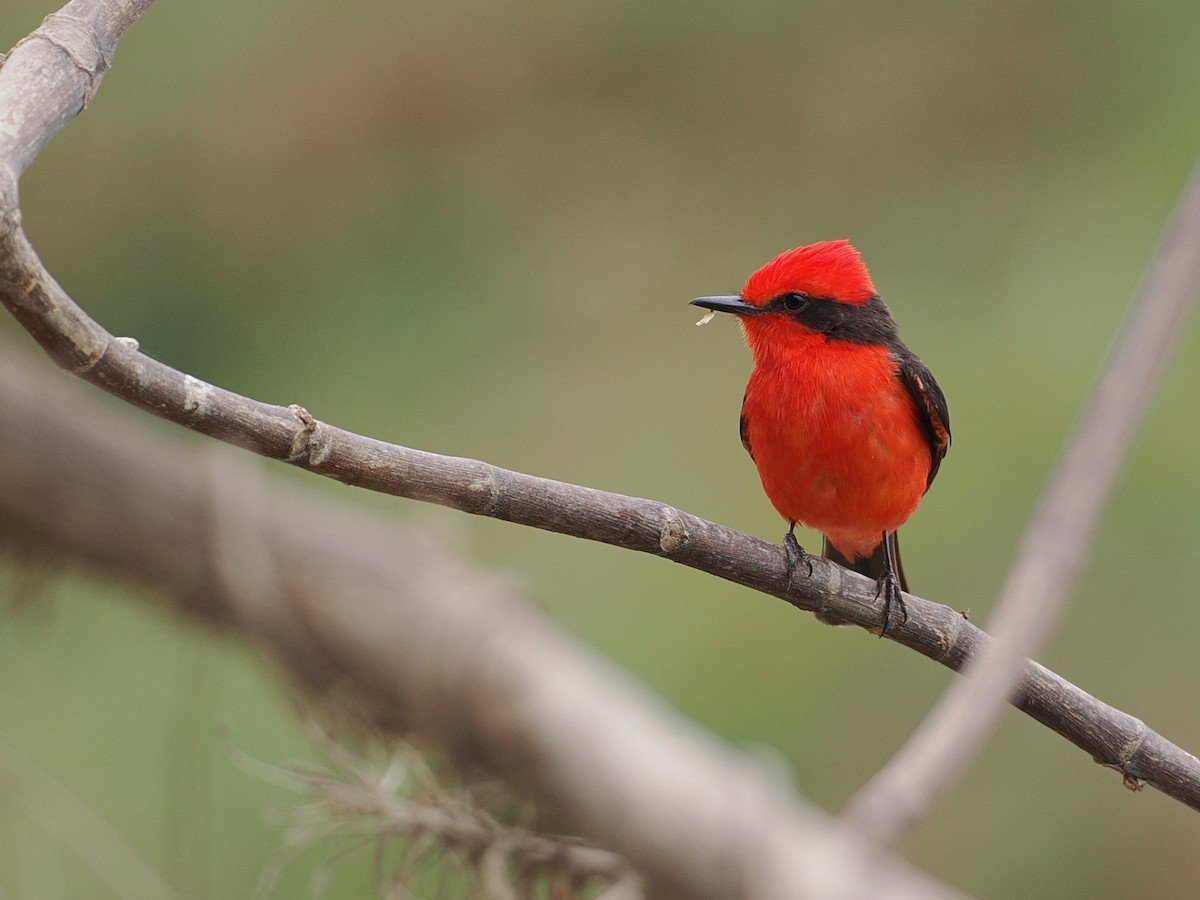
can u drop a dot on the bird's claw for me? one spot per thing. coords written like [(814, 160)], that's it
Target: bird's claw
[(893, 597), (795, 556)]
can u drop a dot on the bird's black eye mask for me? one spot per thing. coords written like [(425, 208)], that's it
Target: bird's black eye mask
[(860, 323)]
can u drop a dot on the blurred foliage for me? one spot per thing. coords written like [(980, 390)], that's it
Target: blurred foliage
[(473, 228)]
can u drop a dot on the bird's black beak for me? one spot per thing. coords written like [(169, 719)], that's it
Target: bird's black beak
[(735, 305)]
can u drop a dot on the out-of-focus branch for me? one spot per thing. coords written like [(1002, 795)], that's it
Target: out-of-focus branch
[(80, 345), (385, 625), (1054, 546)]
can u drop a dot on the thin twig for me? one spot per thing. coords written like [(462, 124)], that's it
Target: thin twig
[(405, 799), (1054, 546)]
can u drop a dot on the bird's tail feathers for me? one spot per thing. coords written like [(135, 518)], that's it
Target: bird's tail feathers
[(872, 566)]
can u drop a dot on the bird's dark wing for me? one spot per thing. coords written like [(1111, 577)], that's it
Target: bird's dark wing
[(744, 429), (931, 407)]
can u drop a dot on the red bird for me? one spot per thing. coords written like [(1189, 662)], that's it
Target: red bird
[(846, 425)]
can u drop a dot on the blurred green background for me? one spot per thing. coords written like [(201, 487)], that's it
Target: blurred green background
[(473, 228)]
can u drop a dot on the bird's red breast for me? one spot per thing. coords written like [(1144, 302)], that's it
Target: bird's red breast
[(836, 440)]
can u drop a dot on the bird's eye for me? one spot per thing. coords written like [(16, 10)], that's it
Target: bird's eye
[(794, 302)]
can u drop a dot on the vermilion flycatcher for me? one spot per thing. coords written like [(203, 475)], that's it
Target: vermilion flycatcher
[(846, 425)]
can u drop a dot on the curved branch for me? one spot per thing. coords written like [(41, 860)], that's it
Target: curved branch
[(833, 594)]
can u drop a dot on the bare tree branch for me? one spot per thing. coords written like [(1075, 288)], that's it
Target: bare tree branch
[(83, 347), (1053, 548)]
